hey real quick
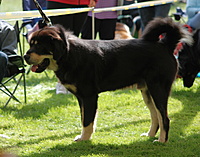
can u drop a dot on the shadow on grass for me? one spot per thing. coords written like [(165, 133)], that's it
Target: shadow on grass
[(134, 149), (36, 109), (75, 133), (190, 108)]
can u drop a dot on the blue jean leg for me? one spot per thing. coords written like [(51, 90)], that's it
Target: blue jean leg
[(149, 13), (195, 21), (3, 64), (162, 10)]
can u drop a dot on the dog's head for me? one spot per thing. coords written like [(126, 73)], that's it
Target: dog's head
[(188, 72), (46, 46), (189, 60)]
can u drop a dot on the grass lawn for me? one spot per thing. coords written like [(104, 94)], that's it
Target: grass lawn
[(48, 123)]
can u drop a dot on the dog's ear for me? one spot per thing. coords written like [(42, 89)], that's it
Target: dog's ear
[(59, 42), (61, 31), (59, 49)]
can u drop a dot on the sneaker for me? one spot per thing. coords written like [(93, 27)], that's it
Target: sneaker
[(60, 89)]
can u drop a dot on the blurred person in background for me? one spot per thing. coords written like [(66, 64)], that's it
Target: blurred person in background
[(105, 22), (72, 22), (8, 46), (29, 5), (149, 13), (193, 12)]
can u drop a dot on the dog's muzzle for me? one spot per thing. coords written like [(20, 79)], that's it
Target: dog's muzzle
[(38, 68)]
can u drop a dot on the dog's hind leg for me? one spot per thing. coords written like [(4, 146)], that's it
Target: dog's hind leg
[(160, 98), (154, 118), (88, 107)]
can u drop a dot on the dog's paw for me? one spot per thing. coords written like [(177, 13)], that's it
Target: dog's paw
[(156, 141), (148, 134), (81, 138), (159, 141)]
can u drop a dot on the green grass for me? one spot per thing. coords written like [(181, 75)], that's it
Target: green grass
[(11, 5), (48, 123)]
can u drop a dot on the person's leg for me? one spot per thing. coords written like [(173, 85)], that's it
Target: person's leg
[(3, 62), (107, 29), (195, 22), (86, 32), (78, 21), (62, 21), (87, 28), (162, 10), (65, 20), (147, 14), (73, 22)]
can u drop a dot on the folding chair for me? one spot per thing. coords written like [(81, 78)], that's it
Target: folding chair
[(15, 68)]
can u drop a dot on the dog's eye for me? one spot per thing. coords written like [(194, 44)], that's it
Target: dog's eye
[(31, 42)]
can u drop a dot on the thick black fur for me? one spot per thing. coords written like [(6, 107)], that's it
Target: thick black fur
[(189, 59), (89, 67)]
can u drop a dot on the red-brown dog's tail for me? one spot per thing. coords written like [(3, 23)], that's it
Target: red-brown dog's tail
[(172, 33)]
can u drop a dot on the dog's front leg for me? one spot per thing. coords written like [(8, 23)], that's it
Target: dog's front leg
[(88, 107)]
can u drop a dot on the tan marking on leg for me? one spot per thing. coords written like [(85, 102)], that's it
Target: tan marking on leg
[(162, 136), (153, 112), (87, 131)]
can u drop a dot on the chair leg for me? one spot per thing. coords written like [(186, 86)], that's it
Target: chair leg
[(12, 94), (24, 82), (7, 92)]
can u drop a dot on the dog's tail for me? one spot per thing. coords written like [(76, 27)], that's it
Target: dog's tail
[(167, 32)]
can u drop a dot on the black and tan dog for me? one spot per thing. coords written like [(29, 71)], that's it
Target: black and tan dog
[(89, 67)]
